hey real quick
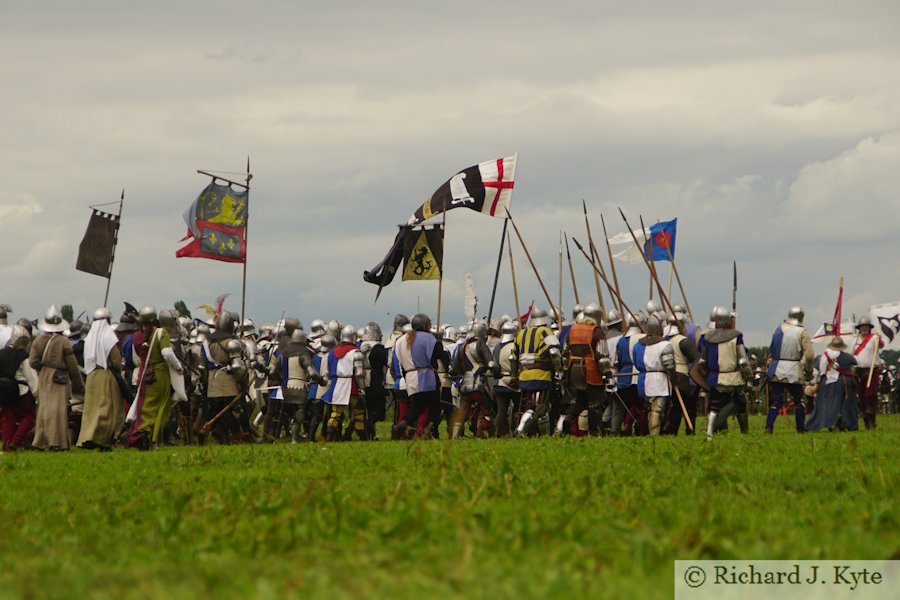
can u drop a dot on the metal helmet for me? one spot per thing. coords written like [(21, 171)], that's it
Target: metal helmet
[(202, 332), (678, 317), (76, 328), (613, 317), (23, 322), (327, 342), (795, 315), (371, 332), (334, 328), (359, 333), (420, 322), (654, 327), (721, 316), (185, 322), (147, 314), (167, 318), (578, 308), (480, 331), (291, 324), (508, 331), (317, 327), (192, 339), (450, 334), (19, 335), (400, 321), (248, 327), (539, 317), (630, 321), (679, 308), (102, 314), (864, 320), (266, 331), (348, 334), (652, 307), (4, 310), (496, 324), (299, 337), (227, 321), (642, 316), (53, 321), (593, 313)]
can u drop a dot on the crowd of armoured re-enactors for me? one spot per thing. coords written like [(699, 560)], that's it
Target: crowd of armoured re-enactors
[(157, 378)]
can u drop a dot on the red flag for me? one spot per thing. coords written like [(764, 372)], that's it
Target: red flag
[(523, 320)]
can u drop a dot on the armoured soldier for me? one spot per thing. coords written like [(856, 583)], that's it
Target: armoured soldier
[(587, 366), (724, 365), (792, 357), (225, 374), (685, 351), (448, 341), (654, 360), (293, 371), (376, 358), (615, 409), (865, 348), (626, 387), (418, 354), (472, 363), (389, 379), (506, 391), (537, 360), (347, 370), (317, 390)]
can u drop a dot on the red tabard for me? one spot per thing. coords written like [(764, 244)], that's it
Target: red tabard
[(580, 343)]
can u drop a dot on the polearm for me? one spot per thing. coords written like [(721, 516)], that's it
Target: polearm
[(571, 270), (497, 272), (597, 272), (561, 315), (112, 255), (528, 256), (649, 241), (678, 278), (612, 264), (512, 270), (594, 256), (441, 280), (734, 297), (662, 294)]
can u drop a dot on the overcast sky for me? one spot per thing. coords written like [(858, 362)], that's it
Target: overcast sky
[(770, 129)]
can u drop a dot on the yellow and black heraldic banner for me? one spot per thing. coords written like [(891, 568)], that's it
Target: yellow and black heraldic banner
[(423, 253)]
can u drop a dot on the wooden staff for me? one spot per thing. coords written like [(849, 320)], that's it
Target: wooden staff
[(612, 264), (587, 225), (874, 360), (528, 256), (571, 270), (687, 419), (497, 272), (512, 270), (561, 315), (441, 280), (665, 299), (618, 297), (649, 240)]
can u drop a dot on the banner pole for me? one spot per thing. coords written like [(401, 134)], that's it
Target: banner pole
[(530, 260), (246, 245), (497, 272), (443, 260), (512, 270), (112, 257)]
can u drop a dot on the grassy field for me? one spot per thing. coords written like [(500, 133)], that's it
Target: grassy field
[(480, 518)]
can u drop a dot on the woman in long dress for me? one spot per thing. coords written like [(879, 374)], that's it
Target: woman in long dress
[(104, 411), (58, 375), (836, 399)]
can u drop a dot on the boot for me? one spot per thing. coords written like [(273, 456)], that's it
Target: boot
[(744, 422)]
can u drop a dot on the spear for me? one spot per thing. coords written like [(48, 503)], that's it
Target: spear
[(528, 256), (612, 263), (561, 316), (594, 256), (571, 270), (597, 272), (734, 298), (512, 270)]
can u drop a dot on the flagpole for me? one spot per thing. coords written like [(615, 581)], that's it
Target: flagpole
[(612, 265), (665, 300), (649, 238), (687, 304), (497, 272), (512, 270), (112, 256), (441, 279), (246, 244), (561, 315), (669, 287), (528, 256)]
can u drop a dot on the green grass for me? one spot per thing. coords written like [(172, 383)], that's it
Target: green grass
[(480, 518)]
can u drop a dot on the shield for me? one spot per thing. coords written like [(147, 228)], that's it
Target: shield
[(699, 373)]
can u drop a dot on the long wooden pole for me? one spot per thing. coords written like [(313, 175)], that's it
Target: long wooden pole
[(652, 263), (512, 270), (612, 265), (571, 270), (497, 272), (112, 257), (874, 359), (441, 279), (587, 225), (246, 245), (674, 268), (665, 299), (528, 256), (561, 315), (618, 297)]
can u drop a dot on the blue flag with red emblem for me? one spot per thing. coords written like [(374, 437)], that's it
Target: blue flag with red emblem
[(661, 244)]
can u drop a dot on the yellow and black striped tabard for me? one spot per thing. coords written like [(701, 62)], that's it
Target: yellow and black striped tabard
[(533, 358)]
